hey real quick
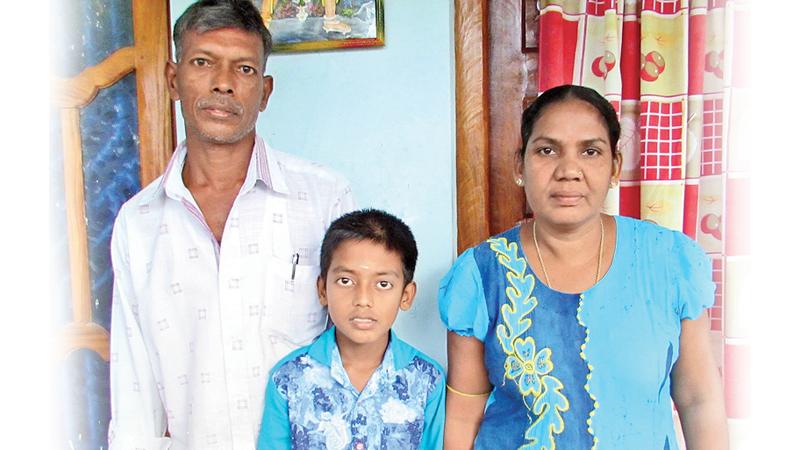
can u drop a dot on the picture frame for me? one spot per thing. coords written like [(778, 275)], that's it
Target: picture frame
[(314, 25), (530, 26)]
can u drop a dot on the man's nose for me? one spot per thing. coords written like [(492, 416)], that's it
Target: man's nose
[(223, 81)]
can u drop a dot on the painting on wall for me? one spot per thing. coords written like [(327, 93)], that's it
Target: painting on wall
[(308, 25)]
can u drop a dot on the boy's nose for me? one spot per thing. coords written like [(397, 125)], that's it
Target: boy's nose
[(363, 298)]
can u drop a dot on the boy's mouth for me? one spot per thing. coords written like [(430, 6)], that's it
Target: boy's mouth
[(363, 323)]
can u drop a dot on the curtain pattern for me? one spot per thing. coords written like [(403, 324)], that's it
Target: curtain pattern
[(676, 72)]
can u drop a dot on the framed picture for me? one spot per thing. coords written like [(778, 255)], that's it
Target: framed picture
[(530, 26), (308, 25)]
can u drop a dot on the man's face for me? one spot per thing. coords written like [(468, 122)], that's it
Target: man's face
[(220, 84)]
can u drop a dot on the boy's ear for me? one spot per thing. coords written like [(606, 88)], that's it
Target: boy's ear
[(409, 292), (323, 299)]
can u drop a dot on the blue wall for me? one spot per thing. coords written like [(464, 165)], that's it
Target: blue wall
[(385, 118)]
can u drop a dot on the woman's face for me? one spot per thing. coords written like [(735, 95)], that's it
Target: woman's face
[(568, 164)]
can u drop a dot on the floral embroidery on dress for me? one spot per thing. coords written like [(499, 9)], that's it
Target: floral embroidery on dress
[(528, 368)]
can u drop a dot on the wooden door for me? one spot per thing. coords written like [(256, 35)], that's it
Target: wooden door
[(496, 70), (109, 119)]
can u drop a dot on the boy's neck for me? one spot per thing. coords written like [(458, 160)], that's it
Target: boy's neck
[(361, 360)]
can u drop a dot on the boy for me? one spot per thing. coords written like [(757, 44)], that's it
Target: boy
[(358, 386)]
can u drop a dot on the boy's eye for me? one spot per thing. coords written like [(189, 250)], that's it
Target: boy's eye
[(344, 281), (383, 284)]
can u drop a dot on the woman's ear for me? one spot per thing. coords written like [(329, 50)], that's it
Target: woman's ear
[(616, 168), (519, 167)]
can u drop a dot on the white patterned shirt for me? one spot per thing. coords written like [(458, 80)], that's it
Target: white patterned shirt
[(197, 325)]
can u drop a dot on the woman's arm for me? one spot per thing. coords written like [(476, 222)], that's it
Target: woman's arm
[(466, 374), (697, 390)]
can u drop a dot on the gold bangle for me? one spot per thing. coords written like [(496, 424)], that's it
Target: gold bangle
[(464, 394)]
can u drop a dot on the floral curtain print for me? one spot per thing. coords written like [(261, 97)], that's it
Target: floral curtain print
[(677, 73)]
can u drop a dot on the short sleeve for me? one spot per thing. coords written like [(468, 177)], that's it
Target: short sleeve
[(691, 276), (462, 305), (275, 433)]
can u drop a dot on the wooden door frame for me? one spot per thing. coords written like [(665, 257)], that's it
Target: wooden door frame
[(147, 57), (472, 121)]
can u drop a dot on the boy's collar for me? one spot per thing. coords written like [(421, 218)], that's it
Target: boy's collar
[(322, 349)]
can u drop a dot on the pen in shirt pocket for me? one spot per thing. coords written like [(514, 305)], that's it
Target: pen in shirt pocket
[(295, 260)]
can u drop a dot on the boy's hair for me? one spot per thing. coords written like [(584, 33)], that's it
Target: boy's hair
[(374, 225), (210, 15)]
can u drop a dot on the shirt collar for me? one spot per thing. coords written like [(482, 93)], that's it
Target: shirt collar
[(398, 355), (261, 168)]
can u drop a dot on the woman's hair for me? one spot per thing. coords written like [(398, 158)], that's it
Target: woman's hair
[(567, 92)]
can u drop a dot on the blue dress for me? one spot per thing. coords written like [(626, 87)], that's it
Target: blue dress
[(579, 371)]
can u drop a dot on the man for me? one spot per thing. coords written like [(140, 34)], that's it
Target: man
[(215, 262)]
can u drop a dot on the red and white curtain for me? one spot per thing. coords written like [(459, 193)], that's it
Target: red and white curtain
[(677, 73)]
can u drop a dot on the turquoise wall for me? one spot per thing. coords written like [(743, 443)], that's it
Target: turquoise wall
[(385, 118)]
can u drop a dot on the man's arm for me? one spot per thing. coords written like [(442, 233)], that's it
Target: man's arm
[(137, 413), (697, 390)]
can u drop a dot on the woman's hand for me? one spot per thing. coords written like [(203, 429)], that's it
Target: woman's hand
[(466, 374), (697, 390)]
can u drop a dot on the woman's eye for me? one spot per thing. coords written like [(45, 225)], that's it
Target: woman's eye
[(343, 281), (384, 284), (546, 151)]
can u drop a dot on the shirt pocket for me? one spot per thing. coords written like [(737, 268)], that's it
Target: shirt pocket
[(294, 316)]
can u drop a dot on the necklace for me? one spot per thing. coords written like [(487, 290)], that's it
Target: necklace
[(599, 254)]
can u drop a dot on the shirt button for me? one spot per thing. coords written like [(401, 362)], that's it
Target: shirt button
[(360, 446)]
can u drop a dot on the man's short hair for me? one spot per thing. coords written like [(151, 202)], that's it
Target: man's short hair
[(375, 226), (209, 15)]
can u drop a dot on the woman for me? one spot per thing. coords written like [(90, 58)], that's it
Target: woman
[(577, 329)]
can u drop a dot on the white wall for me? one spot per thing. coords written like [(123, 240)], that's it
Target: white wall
[(385, 118)]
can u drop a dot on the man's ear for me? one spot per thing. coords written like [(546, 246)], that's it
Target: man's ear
[(323, 298), (409, 292), (268, 85), (171, 74)]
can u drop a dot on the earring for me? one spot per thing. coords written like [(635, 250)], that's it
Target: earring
[(519, 182)]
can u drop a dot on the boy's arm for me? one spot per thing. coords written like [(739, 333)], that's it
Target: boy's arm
[(275, 431), (433, 431), (137, 413)]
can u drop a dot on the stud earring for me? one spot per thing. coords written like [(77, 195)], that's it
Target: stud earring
[(519, 182)]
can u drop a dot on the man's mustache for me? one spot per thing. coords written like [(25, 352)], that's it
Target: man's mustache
[(222, 104)]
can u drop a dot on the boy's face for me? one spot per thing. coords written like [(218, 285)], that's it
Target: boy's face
[(363, 291)]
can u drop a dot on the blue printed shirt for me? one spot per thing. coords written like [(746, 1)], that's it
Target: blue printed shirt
[(311, 403)]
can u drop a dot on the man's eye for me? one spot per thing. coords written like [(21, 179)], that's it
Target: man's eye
[(344, 281), (247, 70), (383, 284), (591, 152), (200, 62)]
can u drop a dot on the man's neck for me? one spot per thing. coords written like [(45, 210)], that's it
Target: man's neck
[(219, 167)]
